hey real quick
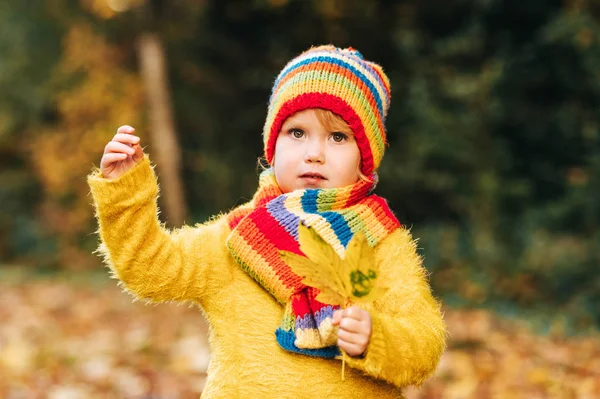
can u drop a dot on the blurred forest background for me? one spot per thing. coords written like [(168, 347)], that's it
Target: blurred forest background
[(494, 161)]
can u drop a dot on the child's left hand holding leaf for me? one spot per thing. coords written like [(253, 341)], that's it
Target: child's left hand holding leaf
[(340, 281), (354, 332)]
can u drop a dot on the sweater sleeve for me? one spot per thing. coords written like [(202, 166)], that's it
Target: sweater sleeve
[(409, 334), (151, 262)]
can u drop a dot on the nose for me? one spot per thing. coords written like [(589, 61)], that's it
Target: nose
[(315, 151)]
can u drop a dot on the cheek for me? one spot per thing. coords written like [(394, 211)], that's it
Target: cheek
[(354, 169), (282, 147), (278, 154), (352, 162), (347, 166), (286, 153), (282, 160)]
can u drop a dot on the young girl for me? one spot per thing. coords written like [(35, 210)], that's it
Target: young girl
[(324, 138)]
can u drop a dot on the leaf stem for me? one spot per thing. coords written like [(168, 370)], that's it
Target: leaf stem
[(344, 353), (343, 364)]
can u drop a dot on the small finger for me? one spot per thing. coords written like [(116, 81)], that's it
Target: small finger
[(354, 312), (351, 325), (125, 129), (139, 153), (351, 349), (126, 138), (337, 317), (112, 157), (351, 338), (117, 147)]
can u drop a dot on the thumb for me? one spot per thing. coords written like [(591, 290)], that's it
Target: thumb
[(337, 317), (139, 153)]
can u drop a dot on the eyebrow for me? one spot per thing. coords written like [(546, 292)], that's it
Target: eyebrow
[(291, 122), (348, 132), (292, 126)]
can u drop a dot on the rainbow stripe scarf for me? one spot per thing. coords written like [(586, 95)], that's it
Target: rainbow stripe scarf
[(269, 223)]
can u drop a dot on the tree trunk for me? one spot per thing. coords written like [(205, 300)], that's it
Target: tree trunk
[(166, 149)]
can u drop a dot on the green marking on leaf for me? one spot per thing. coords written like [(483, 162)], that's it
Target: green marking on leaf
[(362, 283)]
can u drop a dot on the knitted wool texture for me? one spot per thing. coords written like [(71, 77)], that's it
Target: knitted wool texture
[(338, 80), (194, 264), (269, 224)]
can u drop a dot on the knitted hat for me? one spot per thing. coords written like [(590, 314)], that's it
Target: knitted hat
[(338, 80)]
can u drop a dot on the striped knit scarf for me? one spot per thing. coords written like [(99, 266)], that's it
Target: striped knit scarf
[(269, 223)]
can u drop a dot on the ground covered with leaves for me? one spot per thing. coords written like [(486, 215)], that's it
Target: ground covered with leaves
[(70, 340)]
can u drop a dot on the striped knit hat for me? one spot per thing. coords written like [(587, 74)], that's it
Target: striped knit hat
[(338, 80)]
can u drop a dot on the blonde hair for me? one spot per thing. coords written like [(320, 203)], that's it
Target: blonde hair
[(335, 123), (332, 123)]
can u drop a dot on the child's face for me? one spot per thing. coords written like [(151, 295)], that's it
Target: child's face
[(308, 155)]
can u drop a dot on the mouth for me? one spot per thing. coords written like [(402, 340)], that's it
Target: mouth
[(313, 176), (312, 179)]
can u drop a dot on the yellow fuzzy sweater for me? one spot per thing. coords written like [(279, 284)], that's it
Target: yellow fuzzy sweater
[(194, 264)]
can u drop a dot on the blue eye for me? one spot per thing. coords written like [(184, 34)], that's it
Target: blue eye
[(339, 137)]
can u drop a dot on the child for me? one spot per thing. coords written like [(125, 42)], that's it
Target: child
[(324, 138)]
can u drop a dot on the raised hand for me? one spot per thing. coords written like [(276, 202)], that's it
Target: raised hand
[(122, 153)]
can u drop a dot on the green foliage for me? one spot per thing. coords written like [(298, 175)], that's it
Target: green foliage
[(28, 51)]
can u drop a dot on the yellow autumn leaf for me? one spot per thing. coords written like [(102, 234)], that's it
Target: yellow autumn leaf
[(352, 278), (318, 251), (361, 271), (315, 276)]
